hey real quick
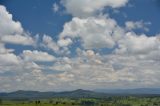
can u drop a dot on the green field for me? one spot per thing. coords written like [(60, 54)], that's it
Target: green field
[(110, 101)]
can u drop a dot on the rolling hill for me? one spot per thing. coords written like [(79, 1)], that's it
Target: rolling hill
[(81, 93)]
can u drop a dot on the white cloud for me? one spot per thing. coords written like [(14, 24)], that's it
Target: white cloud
[(11, 31), (18, 39), (89, 70), (55, 7), (134, 61), (94, 32), (8, 59), (59, 47), (7, 25), (133, 44), (61, 67), (130, 25), (37, 56), (85, 8), (49, 43), (114, 71), (64, 42)]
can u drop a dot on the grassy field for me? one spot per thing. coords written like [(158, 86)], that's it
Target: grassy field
[(110, 101)]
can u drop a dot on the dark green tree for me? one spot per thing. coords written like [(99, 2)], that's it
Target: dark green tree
[(0, 101)]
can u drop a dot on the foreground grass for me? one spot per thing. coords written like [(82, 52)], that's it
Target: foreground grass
[(110, 101)]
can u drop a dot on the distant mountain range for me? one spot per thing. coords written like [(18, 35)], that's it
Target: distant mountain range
[(101, 93), (40, 95), (131, 91)]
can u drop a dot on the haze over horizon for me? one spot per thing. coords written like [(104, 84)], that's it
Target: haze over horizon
[(61, 45)]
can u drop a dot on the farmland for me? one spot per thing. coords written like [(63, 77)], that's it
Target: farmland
[(110, 101)]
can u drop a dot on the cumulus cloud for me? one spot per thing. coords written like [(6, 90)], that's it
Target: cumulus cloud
[(7, 25), (8, 59), (37, 56), (133, 61), (94, 32), (18, 39), (11, 31), (58, 67), (130, 25), (130, 63), (64, 42), (49, 43), (113, 70), (133, 44), (59, 47), (85, 8)]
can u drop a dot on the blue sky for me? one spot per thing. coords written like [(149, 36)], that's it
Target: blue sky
[(35, 14), (71, 44), (38, 16)]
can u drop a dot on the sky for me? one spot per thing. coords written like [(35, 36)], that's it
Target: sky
[(57, 45)]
